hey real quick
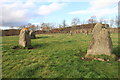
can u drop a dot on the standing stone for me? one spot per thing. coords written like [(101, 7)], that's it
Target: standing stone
[(32, 34), (101, 41), (24, 38), (71, 33)]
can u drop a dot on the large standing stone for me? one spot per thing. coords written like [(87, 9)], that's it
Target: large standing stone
[(24, 38), (32, 34), (101, 41)]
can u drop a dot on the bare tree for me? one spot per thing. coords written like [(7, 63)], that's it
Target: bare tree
[(75, 22), (22, 26), (92, 20), (111, 22), (101, 20), (83, 22), (47, 26), (29, 24), (60, 26), (32, 27), (105, 21), (117, 21), (38, 27), (51, 25)]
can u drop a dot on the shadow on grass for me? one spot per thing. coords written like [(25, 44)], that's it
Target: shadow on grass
[(55, 43), (41, 45), (116, 51), (42, 37), (33, 46)]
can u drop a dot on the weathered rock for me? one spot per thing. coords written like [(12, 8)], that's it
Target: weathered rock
[(99, 59), (32, 34), (101, 41), (118, 60), (71, 33), (24, 38)]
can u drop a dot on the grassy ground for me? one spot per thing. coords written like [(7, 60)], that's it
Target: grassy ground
[(55, 56)]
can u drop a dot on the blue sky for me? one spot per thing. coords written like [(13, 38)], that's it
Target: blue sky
[(16, 12), (60, 15)]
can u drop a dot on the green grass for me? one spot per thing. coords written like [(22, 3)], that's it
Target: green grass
[(55, 56)]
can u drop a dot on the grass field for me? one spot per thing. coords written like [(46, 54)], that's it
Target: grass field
[(55, 56)]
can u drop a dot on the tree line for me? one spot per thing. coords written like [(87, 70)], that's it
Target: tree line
[(75, 21)]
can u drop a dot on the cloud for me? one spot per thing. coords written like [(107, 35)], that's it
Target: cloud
[(47, 0), (20, 12), (99, 8), (63, 0), (79, 12), (12, 16), (15, 13), (98, 13), (99, 4), (28, 4), (47, 9)]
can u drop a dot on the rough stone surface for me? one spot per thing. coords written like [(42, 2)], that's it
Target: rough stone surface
[(24, 38), (32, 34), (101, 41)]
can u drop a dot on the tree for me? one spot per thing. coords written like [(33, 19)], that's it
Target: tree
[(29, 24), (32, 27), (47, 26), (51, 25), (75, 22), (111, 22), (38, 27), (117, 21), (105, 21), (92, 20), (83, 22), (64, 23), (60, 26), (22, 26), (101, 20)]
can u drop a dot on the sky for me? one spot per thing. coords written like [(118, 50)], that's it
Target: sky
[(21, 12)]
